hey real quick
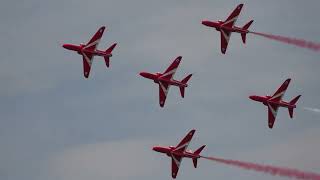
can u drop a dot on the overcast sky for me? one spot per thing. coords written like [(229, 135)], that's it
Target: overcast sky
[(56, 125)]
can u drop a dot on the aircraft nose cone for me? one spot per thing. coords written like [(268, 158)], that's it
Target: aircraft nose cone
[(204, 23), (253, 97), (67, 46), (143, 74)]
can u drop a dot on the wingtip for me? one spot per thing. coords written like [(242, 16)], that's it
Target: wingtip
[(113, 45), (101, 29), (270, 126), (288, 80), (223, 50)]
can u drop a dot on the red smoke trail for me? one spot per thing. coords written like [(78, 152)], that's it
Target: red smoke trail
[(268, 169), (297, 42)]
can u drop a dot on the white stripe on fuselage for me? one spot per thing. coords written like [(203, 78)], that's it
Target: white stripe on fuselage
[(94, 43), (176, 161), (226, 37), (278, 95), (185, 145), (273, 111), (164, 89), (172, 72), (89, 61), (233, 20)]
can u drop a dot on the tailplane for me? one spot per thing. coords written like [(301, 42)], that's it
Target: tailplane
[(245, 27), (184, 81), (293, 102), (197, 152), (109, 54)]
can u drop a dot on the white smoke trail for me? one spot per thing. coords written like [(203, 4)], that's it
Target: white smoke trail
[(315, 110)]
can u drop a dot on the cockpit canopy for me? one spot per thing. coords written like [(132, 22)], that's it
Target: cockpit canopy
[(82, 45)]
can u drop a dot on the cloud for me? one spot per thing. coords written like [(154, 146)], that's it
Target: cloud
[(299, 151), (106, 160)]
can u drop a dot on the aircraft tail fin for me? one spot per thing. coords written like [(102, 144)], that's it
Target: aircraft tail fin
[(293, 102), (197, 152), (245, 27), (184, 81), (109, 54)]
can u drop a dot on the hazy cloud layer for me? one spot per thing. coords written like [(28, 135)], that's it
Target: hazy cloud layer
[(57, 125)]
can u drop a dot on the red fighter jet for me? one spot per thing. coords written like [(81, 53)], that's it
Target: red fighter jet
[(227, 27), (179, 152), (166, 79), (275, 101), (90, 49)]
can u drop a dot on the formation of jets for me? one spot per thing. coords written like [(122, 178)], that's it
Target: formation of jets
[(165, 80)]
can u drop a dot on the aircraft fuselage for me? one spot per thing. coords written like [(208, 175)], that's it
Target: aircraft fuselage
[(268, 100), (219, 25), (170, 151), (157, 78), (81, 49)]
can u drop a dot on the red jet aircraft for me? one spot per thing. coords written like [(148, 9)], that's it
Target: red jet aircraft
[(166, 79), (227, 27), (179, 152), (90, 49), (275, 101)]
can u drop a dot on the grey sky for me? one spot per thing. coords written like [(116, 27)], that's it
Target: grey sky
[(57, 125)]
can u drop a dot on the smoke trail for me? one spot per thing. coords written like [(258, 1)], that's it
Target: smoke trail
[(268, 169), (297, 42), (316, 110)]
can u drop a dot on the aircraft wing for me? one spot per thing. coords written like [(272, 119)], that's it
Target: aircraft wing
[(272, 114), (171, 70), (233, 16), (183, 145), (87, 61), (225, 36), (175, 164), (95, 40), (163, 91), (281, 91)]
